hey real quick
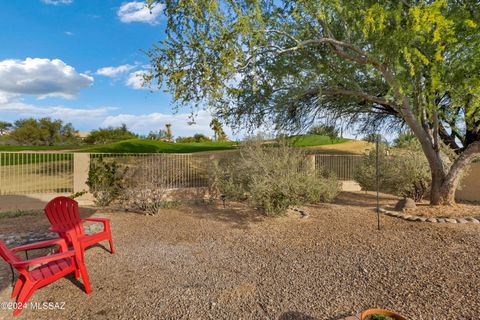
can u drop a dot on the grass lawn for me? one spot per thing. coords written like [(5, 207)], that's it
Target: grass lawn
[(311, 140), (150, 146), (10, 148)]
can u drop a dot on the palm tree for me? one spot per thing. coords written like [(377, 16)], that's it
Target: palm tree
[(219, 134), (168, 130)]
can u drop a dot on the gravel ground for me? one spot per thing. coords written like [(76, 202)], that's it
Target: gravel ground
[(206, 262)]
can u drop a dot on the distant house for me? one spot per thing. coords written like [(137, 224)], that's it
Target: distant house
[(82, 134)]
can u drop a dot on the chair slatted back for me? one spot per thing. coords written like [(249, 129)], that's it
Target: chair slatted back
[(63, 214)]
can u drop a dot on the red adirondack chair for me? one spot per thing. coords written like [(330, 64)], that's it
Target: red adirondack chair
[(63, 214), (47, 269)]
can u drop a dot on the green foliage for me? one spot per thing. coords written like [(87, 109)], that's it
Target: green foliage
[(404, 139), (77, 194), (198, 137), (274, 179), (109, 135), (402, 172), (372, 64), (149, 146), (4, 127), (219, 134), (326, 130), (105, 180), (160, 135), (42, 132), (311, 140)]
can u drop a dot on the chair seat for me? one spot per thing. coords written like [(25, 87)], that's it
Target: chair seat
[(49, 269)]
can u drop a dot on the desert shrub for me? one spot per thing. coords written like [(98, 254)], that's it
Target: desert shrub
[(405, 172), (273, 178), (145, 192), (105, 180)]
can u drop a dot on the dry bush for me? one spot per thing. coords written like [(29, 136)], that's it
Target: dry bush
[(146, 189), (405, 172), (274, 178)]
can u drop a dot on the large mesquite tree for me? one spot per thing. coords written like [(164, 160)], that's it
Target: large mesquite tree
[(374, 63)]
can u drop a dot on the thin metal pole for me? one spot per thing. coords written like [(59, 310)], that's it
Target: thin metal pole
[(377, 180)]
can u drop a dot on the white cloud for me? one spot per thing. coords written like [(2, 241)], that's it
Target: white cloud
[(57, 2), (137, 11), (69, 33), (113, 72), (155, 121), (41, 78), (22, 110), (136, 81)]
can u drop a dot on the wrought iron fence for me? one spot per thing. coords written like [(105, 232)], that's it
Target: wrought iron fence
[(24, 173), (161, 169), (50, 172), (342, 165)]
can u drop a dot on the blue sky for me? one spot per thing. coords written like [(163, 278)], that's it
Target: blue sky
[(79, 60)]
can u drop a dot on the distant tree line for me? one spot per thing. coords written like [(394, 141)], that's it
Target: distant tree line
[(39, 132), (50, 132)]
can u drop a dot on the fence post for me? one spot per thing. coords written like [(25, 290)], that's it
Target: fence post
[(81, 166), (211, 190), (311, 162)]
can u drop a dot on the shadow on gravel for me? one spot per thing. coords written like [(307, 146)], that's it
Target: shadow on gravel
[(294, 315), (236, 215), (362, 199)]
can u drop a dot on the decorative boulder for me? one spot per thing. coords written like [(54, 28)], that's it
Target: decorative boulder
[(405, 203)]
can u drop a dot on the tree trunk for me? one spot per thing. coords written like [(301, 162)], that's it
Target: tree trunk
[(436, 197)]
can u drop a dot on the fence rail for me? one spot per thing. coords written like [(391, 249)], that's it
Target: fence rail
[(161, 169), (24, 173), (49, 172), (342, 165)]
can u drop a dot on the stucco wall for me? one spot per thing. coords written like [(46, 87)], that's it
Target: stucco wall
[(470, 190)]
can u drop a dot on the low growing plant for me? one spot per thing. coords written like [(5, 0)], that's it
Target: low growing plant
[(146, 192), (105, 180), (403, 172), (274, 178)]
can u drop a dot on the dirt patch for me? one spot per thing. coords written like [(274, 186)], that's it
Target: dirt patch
[(207, 262)]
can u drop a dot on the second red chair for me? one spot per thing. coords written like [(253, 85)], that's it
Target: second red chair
[(63, 214)]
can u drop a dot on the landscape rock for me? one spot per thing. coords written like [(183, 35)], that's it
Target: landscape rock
[(405, 203), (449, 220)]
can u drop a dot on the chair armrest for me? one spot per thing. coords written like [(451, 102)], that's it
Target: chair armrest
[(42, 244), (104, 221), (45, 259)]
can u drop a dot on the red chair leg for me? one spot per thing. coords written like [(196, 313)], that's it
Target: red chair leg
[(23, 297), (77, 274), (18, 286), (112, 250), (86, 280)]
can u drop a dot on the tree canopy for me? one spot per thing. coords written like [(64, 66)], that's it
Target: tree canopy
[(388, 63), (44, 131)]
